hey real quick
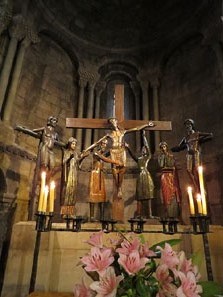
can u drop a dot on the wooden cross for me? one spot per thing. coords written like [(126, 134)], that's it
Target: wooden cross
[(119, 115)]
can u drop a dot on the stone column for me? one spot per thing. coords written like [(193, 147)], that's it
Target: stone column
[(136, 90), (99, 89), (80, 112), (31, 37), (15, 79), (90, 111), (145, 99), (155, 86), (17, 32)]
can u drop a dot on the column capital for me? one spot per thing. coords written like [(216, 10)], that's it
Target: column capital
[(17, 28), (31, 34), (144, 83), (88, 77), (100, 86), (5, 18), (82, 80), (135, 87)]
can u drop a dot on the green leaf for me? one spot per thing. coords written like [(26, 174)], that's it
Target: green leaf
[(142, 238), (210, 289), (171, 242), (198, 258)]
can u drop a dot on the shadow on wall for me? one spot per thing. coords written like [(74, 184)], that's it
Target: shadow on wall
[(3, 185)]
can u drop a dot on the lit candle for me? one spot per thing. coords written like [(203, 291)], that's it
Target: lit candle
[(191, 200), (46, 191), (199, 204), (42, 187), (52, 195), (201, 182)]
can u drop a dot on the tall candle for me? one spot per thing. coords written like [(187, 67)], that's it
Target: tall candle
[(46, 191), (191, 200), (52, 196), (201, 182), (199, 204), (42, 187)]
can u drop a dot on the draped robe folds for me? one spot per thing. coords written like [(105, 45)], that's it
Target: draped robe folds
[(97, 181), (144, 184), (170, 189), (70, 163)]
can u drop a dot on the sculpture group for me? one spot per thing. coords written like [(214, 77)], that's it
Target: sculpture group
[(112, 148)]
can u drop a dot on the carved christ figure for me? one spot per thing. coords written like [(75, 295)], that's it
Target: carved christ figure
[(118, 154)]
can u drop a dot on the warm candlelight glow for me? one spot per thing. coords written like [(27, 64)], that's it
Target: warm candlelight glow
[(46, 191), (201, 182), (191, 200), (199, 204), (42, 187), (52, 196)]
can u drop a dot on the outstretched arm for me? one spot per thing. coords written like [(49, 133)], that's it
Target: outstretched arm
[(180, 147), (92, 146), (145, 142), (108, 160), (138, 128), (38, 129), (203, 137), (133, 156)]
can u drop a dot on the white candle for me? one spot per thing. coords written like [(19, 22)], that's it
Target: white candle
[(52, 196), (191, 200), (42, 187), (46, 191), (203, 198), (199, 204)]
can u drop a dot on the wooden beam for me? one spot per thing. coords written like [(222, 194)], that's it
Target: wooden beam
[(127, 124)]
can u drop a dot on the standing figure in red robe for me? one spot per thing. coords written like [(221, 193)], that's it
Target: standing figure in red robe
[(170, 190)]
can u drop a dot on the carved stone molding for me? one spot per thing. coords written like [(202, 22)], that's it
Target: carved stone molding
[(5, 18), (14, 150), (17, 28)]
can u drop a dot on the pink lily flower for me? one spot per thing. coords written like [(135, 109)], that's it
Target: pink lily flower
[(80, 290), (108, 284), (167, 288), (96, 239), (189, 287), (168, 256), (132, 263), (127, 247), (186, 265), (98, 260), (144, 251), (163, 275), (168, 291)]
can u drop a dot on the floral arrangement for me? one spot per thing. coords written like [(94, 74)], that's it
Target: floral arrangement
[(127, 267)]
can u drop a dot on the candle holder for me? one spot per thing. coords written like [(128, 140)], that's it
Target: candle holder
[(137, 224), (76, 223), (108, 225), (49, 218), (73, 223), (169, 225), (44, 221), (200, 223), (69, 223)]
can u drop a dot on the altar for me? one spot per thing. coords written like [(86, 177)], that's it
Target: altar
[(58, 270)]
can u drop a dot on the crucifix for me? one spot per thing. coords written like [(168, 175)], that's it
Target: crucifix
[(117, 136)]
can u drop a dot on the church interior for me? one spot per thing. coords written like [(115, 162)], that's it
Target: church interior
[(155, 63)]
